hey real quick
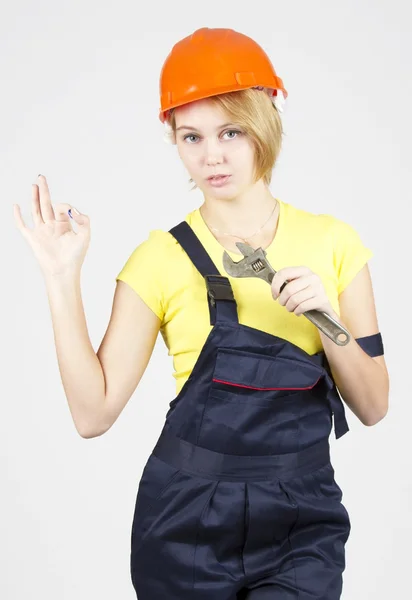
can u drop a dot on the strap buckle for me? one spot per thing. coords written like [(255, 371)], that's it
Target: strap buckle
[(218, 288)]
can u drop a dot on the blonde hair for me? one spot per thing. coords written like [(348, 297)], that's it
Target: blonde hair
[(255, 113)]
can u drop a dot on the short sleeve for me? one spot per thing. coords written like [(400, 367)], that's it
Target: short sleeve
[(143, 272), (349, 253)]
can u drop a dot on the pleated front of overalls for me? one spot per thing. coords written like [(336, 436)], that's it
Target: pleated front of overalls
[(238, 499)]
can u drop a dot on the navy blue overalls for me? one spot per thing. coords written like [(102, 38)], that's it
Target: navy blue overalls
[(238, 500)]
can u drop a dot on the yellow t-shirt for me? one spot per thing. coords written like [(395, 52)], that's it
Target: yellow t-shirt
[(160, 271)]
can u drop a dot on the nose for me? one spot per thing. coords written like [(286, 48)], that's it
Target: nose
[(214, 154)]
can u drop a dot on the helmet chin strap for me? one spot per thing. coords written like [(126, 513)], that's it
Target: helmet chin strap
[(277, 97)]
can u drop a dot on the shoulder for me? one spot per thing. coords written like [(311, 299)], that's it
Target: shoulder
[(310, 224), (159, 239), (342, 234), (147, 269), (156, 245), (322, 224), (157, 258)]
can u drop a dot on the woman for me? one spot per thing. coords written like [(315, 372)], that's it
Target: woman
[(238, 498)]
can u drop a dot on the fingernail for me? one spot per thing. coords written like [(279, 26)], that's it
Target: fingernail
[(69, 212)]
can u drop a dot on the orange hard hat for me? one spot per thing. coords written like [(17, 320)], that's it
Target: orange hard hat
[(214, 61)]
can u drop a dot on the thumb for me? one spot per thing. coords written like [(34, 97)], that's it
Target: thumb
[(77, 216)]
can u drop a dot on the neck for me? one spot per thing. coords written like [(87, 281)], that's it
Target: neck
[(241, 215)]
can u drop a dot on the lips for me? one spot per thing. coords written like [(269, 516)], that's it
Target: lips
[(218, 181), (218, 175)]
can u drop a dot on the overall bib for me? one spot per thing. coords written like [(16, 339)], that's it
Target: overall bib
[(238, 500)]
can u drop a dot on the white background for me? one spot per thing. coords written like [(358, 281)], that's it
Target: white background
[(79, 104)]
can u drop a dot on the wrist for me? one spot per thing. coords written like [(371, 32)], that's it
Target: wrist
[(63, 279)]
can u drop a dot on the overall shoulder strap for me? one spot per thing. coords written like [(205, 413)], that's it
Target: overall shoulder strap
[(222, 303)]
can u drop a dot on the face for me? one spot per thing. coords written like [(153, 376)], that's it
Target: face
[(209, 144)]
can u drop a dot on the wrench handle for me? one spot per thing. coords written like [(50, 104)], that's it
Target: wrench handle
[(329, 326)]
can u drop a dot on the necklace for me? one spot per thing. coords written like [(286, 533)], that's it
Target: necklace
[(250, 236)]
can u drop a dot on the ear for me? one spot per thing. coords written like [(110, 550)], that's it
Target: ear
[(169, 135)]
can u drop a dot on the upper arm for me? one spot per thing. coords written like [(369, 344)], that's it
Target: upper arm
[(354, 285), (126, 348), (358, 310)]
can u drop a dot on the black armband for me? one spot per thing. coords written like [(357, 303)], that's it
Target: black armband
[(372, 344)]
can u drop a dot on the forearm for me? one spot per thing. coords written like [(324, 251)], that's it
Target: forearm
[(80, 369), (362, 382)]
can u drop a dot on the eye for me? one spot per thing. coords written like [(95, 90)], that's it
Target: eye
[(233, 131), (229, 131), (190, 135)]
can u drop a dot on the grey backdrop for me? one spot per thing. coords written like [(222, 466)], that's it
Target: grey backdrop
[(79, 104)]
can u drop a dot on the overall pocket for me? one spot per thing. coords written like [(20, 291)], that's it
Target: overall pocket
[(255, 403), (261, 377)]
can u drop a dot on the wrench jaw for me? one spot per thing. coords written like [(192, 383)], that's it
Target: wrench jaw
[(266, 274), (245, 249), (237, 269), (253, 265)]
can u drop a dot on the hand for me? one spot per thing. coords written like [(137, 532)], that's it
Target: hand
[(303, 291), (56, 246)]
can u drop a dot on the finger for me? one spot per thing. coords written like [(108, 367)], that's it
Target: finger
[(295, 301), (292, 272), (82, 220), (278, 286), (296, 285), (61, 211), (286, 275), (21, 226), (35, 206), (45, 201), (308, 304)]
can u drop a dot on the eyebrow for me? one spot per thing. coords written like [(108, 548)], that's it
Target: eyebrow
[(194, 128)]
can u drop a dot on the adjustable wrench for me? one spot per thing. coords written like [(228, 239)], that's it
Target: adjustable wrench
[(255, 264)]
